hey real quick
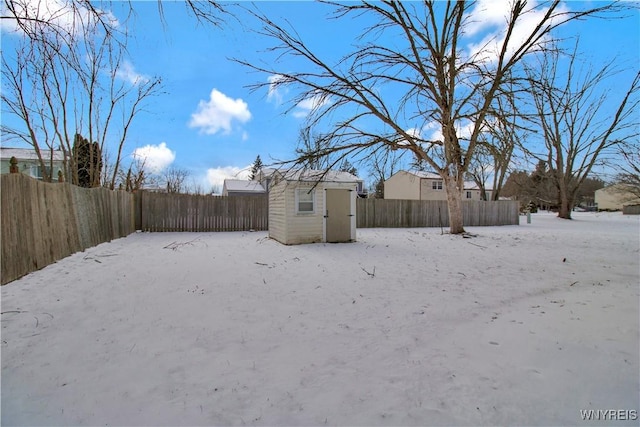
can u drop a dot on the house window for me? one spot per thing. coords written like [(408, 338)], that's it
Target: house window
[(436, 185), (468, 194), (36, 172), (305, 200)]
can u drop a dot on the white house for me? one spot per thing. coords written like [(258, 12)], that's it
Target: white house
[(308, 206), (29, 164), (242, 187), (615, 197), (420, 185)]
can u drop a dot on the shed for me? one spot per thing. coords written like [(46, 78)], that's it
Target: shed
[(242, 187), (309, 206)]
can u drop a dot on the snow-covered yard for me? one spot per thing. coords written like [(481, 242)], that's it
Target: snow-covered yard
[(523, 325)]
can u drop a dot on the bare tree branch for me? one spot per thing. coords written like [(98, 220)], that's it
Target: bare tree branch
[(575, 119), (439, 82)]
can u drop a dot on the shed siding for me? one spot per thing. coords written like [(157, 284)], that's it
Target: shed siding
[(304, 228), (277, 219)]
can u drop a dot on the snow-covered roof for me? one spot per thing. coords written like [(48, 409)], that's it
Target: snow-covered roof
[(29, 154), (424, 174), (312, 175), (267, 172), (471, 185), (468, 185), (243, 185)]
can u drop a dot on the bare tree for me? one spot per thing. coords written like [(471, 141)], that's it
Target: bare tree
[(54, 82), (313, 151), (175, 179), (136, 176), (629, 176), (504, 133), (580, 121), (440, 82), (55, 85), (382, 165)]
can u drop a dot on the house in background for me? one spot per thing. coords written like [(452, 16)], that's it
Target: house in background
[(264, 177), (29, 164), (616, 197), (420, 185), (308, 206), (242, 187)]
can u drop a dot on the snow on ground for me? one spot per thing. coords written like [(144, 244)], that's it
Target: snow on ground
[(523, 325)]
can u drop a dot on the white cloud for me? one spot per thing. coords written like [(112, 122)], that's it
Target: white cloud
[(127, 72), (276, 93), (305, 106), (435, 133), (486, 14), (216, 176), (156, 157), (413, 132), (489, 19), (218, 113), (63, 15), (433, 130), (465, 129)]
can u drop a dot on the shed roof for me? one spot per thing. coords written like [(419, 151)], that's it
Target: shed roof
[(312, 175), (243, 185), (29, 154)]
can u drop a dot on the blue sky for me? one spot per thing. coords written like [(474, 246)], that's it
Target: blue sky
[(209, 122)]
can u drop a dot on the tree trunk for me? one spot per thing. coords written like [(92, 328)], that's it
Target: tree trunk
[(454, 204), (566, 202)]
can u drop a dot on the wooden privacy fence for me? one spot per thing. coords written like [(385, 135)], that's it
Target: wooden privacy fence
[(631, 210), (432, 213), (41, 223), (185, 212), (44, 222)]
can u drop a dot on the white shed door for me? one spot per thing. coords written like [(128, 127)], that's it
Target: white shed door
[(338, 215)]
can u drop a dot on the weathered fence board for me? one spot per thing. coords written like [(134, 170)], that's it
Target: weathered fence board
[(41, 223), (432, 213), (184, 212), (631, 210)]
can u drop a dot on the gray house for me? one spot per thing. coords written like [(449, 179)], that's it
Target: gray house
[(242, 187)]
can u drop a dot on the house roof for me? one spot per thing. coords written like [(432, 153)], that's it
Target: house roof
[(312, 175), (243, 185), (267, 172), (471, 185), (425, 174), (29, 154), (468, 185)]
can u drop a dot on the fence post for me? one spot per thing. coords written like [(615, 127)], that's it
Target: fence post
[(137, 210), (13, 165)]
